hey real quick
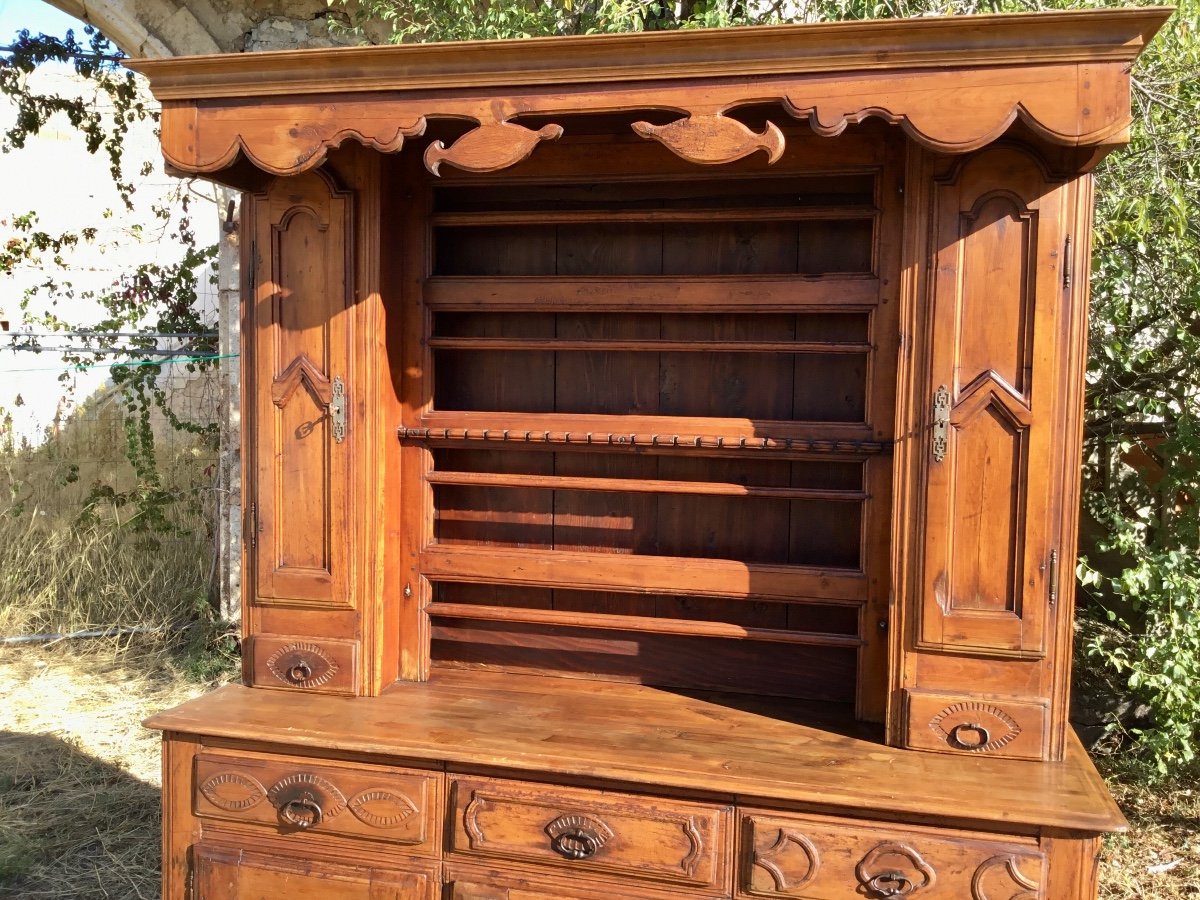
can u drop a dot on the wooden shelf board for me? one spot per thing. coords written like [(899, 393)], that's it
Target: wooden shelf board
[(642, 486), (643, 624), (740, 293), (635, 573)]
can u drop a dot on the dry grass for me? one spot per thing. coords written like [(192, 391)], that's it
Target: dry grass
[(79, 776), (79, 783), (1159, 859), (64, 578), (76, 552)]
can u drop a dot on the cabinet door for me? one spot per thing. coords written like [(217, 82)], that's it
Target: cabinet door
[(299, 339), (998, 295), (225, 873)]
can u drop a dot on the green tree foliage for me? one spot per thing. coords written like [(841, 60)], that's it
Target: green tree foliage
[(466, 20), (1140, 572), (152, 298), (1143, 406)]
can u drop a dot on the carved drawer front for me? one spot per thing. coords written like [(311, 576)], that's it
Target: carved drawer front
[(475, 883), (229, 873), (591, 831), (952, 723), (821, 860), (298, 795), (323, 665)]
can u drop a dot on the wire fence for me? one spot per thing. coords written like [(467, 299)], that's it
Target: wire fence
[(93, 532)]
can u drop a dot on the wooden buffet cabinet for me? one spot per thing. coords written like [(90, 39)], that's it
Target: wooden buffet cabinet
[(661, 460)]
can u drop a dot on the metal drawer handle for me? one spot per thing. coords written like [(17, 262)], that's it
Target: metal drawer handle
[(300, 671), (891, 884), (580, 843), (969, 736), (303, 811), (576, 836)]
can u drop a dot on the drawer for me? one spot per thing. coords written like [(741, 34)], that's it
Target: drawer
[(230, 873), (320, 665), (823, 859), (963, 724), (599, 832), (475, 883), (294, 795)]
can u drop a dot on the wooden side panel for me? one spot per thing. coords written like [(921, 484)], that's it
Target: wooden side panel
[(180, 830), (996, 298), (300, 368)]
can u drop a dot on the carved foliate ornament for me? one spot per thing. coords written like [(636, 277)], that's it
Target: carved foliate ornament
[(713, 139), (493, 146)]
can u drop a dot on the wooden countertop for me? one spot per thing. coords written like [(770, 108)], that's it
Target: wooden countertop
[(647, 737)]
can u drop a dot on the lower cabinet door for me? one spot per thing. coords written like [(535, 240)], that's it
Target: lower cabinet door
[(228, 873)]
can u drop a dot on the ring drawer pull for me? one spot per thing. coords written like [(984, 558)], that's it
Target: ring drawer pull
[(300, 671), (577, 837), (891, 884), (969, 736), (578, 844), (303, 811), (894, 869)]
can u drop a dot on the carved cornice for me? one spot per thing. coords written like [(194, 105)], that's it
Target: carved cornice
[(954, 85), (1112, 35)]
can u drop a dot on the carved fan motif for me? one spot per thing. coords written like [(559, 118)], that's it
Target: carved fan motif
[(382, 809), (792, 861), (232, 791), (713, 139), (1002, 878), (975, 727), (332, 800), (302, 665)]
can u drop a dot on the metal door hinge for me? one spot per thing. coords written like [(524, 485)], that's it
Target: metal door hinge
[(337, 409), (253, 274), (941, 423), (1053, 577), (251, 525), (1067, 265)]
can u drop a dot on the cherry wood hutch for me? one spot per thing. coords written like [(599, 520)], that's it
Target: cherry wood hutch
[(661, 462)]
